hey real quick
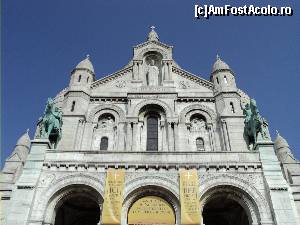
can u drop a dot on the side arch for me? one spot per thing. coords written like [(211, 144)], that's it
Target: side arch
[(242, 191), (63, 187), (106, 108), (208, 113)]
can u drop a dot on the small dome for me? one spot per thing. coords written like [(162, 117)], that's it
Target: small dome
[(86, 64), (280, 142), (153, 36), (219, 65), (24, 140)]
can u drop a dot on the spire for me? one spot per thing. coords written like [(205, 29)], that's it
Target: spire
[(24, 140), (280, 142), (220, 65), (283, 150), (153, 36), (86, 64)]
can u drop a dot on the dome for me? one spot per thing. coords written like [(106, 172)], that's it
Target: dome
[(86, 64), (24, 140), (219, 65), (280, 142), (153, 36)]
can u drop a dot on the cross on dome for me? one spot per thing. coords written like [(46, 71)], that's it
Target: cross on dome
[(153, 36)]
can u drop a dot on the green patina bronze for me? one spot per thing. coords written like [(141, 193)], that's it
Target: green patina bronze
[(256, 127), (51, 123)]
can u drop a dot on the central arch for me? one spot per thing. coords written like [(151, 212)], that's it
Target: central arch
[(151, 210)]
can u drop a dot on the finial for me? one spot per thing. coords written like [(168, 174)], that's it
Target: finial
[(27, 130), (88, 56), (218, 57), (277, 132), (153, 36)]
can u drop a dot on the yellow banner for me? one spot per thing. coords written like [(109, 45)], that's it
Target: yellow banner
[(189, 197), (151, 210), (113, 198)]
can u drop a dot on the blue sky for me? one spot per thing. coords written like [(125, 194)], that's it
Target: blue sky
[(42, 41)]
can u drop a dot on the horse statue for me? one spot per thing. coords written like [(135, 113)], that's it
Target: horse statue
[(51, 123), (256, 127)]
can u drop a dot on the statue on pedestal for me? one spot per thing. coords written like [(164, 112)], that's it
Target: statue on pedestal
[(51, 123), (256, 127)]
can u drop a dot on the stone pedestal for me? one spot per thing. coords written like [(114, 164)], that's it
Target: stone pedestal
[(280, 202), (23, 196)]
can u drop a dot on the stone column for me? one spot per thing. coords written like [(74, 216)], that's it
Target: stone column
[(169, 70), (128, 137), (139, 74), (121, 136), (170, 137), (211, 136), (225, 135), (134, 137), (135, 70), (165, 70), (176, 137)]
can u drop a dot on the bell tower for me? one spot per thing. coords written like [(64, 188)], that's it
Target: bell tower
[(228, 105)]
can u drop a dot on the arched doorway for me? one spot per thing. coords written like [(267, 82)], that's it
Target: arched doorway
[(80, 206), (222, 209), (151, 210)]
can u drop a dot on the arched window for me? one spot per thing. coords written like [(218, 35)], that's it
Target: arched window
[(152, 133), (79, 78), (200, 144), (87, 79), (104, 143), (225, 80), (217, 80), (232, 107), (73, 106)]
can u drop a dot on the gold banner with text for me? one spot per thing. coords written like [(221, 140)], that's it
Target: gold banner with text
[(113, 198), (189, 197)]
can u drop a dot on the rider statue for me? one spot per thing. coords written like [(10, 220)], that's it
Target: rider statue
[(256, 127), (51, 123)]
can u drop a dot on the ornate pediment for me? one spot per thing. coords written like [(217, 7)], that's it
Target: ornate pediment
[(187, 80)]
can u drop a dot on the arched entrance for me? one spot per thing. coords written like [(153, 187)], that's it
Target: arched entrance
[(227, 205), (150, 210), (80, 206), (224, 211)]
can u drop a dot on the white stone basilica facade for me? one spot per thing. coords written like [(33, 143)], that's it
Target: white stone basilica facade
[(151, 118)]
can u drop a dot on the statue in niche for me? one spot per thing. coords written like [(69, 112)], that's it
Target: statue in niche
[(152, 73), (106, 122), (198, 124)]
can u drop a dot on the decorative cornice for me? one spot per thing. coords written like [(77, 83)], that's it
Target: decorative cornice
[(111, 77), (154, 42), (193, 77), (222, 70)]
